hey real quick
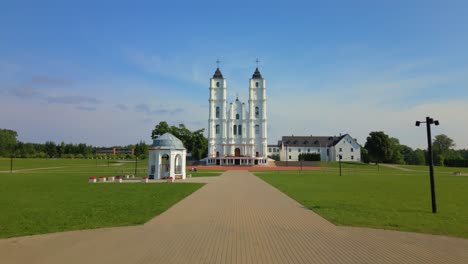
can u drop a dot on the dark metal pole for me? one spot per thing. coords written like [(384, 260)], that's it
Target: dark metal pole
[(431, 163), (136, 163), (339, 163)]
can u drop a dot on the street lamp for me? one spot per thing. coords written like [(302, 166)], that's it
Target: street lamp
[(339, 161), (428, 122)]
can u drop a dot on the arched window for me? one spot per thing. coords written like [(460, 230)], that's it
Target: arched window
[(257, 129), (217, 84), (237, 116), (257, 112), (235, 130), (239, 129), (256, 84), (217, 129), (217, 112)]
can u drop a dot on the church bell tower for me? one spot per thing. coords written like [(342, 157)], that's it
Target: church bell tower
[(217, 114)]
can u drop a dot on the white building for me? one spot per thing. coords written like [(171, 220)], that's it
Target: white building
[(237, 133), (330, 148), (167, 156)]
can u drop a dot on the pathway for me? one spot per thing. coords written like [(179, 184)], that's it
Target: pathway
[(235, 218)]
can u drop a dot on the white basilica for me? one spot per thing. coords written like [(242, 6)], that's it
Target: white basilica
[(237, 133)]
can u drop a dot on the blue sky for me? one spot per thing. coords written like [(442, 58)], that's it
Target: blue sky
[(105, 72)]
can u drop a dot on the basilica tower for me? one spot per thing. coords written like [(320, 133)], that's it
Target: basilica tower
[(258, 116), (217, 114)]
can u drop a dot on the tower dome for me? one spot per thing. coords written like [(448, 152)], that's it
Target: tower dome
[(218, 74), (168, 141), (257, 74)]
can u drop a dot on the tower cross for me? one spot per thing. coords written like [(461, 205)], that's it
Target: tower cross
[(217, 63), (257, 61)]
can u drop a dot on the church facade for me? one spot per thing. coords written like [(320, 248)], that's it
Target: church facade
[(237, 132)]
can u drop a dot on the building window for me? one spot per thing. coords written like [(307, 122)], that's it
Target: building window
[(239, 129), (289, 156), (328, 152), (299, 150), (257, 129), (352, 150), (257, 112), (269, 149), (217, 84), (217, 129), (237, 116), (308, 150), (352, 157), (341, 149), (235, 129), (217, 112), (256, 84), (289, 149)]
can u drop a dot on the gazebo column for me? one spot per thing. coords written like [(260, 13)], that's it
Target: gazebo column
[(172, 165), (184, 157)]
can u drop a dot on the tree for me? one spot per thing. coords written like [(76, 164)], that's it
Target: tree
[(378, 146), (50, 149), (364, 155), (160, 129), (408, 154), (395, 155), (309, 157), (442, 148), (141, 149), (419, 157), (8, 142), (276, 157)]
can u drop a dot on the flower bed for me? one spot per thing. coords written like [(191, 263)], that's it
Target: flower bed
[(118, 179), (102, 178), (170, 179), (111, 178), (145, 179), (92, 179)]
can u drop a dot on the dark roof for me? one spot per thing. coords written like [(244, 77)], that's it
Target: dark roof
[(310, 141), (257, 74), (218, 74)]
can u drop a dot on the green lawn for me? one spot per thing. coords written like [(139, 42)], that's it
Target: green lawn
[(205, 173), (53, 200), (389, 198)]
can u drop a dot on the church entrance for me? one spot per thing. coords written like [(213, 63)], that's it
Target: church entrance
[(237, 152)]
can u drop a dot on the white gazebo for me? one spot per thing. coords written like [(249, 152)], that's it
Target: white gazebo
[(167, 158)]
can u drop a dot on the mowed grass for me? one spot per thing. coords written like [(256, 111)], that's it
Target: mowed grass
[(205, 173), (388, 199), (54, 200)]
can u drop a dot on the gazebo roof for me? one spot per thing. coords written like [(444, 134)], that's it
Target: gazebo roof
[(168, 141)]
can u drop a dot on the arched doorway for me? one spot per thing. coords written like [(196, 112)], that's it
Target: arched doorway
[(217, 154), (165, 166), (178, 164), (237, 152)]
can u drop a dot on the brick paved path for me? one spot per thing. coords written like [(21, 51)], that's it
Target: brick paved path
[(235, 218)]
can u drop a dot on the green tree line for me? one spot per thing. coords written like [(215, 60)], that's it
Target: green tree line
[(10, 146), (381, 148)]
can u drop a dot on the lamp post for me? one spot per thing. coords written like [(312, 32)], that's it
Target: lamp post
[(339, 161), (429, 121), (136, 161)]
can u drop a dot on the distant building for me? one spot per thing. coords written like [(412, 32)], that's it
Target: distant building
[(114, 151), (330, 148)]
